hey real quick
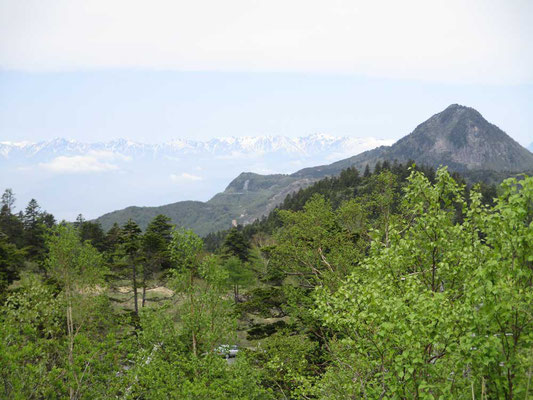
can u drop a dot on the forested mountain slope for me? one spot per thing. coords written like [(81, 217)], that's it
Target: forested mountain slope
[(350, 184), (458, 137)]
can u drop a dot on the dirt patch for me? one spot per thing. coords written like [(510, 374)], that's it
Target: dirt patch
[(161, 290)]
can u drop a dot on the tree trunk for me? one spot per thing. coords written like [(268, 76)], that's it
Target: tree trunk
[(134, 276), (144, 287), (191, 299), (70, 328)]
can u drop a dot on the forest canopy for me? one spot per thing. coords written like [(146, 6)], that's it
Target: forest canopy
[(397, 284)]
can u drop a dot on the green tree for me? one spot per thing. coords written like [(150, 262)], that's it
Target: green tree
[(438, 308), (79, 270), (131, 243), (155, 243), (236, 245), (312, 246), (239, 274), (8, 202), (206, 317), (92, 232), (11, 260), (112, 238), (31, 342), (164, 367)]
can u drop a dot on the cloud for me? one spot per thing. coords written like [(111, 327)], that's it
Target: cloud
[(94, 161), (452, 40), (185, 177)]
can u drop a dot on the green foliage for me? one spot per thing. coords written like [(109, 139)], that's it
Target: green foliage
[(286, 363), (185, 248), (392, 285), (75, 265), (79, 271), (31, 338), (312, 246), (130, 237), (455, 316), (10, 262), (267, 301), (163, 368), (206, 318), (236, 245), (239, 274)]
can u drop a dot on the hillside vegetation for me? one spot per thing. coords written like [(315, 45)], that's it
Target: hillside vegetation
[(402, 283)]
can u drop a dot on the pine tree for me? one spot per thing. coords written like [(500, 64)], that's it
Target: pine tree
[(155, 243), (236, 245), (130, 238), (8, 202), (112, 238), (34, 231), (366, 174)]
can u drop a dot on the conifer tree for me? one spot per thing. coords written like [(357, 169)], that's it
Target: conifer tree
[(236, 245), (130, 238)]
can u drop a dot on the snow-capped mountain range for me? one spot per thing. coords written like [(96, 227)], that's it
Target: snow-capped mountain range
[(68, 177), (256, 145)]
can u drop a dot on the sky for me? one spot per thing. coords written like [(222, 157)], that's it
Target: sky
[(159, 70)]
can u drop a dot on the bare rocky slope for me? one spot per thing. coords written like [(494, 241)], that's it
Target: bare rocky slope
[(458, 137)]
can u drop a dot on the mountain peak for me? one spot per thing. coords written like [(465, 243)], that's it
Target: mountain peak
[(458, 137), (461, 112), (461, 138)]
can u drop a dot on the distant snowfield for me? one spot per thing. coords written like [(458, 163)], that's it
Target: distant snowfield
[(69, 177)]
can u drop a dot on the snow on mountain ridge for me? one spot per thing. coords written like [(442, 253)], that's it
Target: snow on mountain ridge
[(305, 146)]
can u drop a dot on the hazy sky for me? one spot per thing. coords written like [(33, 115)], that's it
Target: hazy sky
[(157, 70)]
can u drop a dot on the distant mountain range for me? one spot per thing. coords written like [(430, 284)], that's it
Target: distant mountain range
[(458, 137), (305, 146), (68, 177)]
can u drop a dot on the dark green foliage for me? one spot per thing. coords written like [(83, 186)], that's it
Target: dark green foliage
[(236, 245), (11, 260), (262, 331), (92, 232), (265, 301), (130, 237), (130, 245), (112, 238)]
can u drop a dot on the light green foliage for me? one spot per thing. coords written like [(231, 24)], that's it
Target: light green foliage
[(440, 308), (185, 248), (78, 267), (57, 341), (287, 363), (165, 368), (31, 338), (79, 270), (205, 316), (239, 274), (312, 245)]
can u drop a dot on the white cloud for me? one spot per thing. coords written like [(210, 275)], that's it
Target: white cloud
[(185, 177), (443, 40), (93, 161)]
